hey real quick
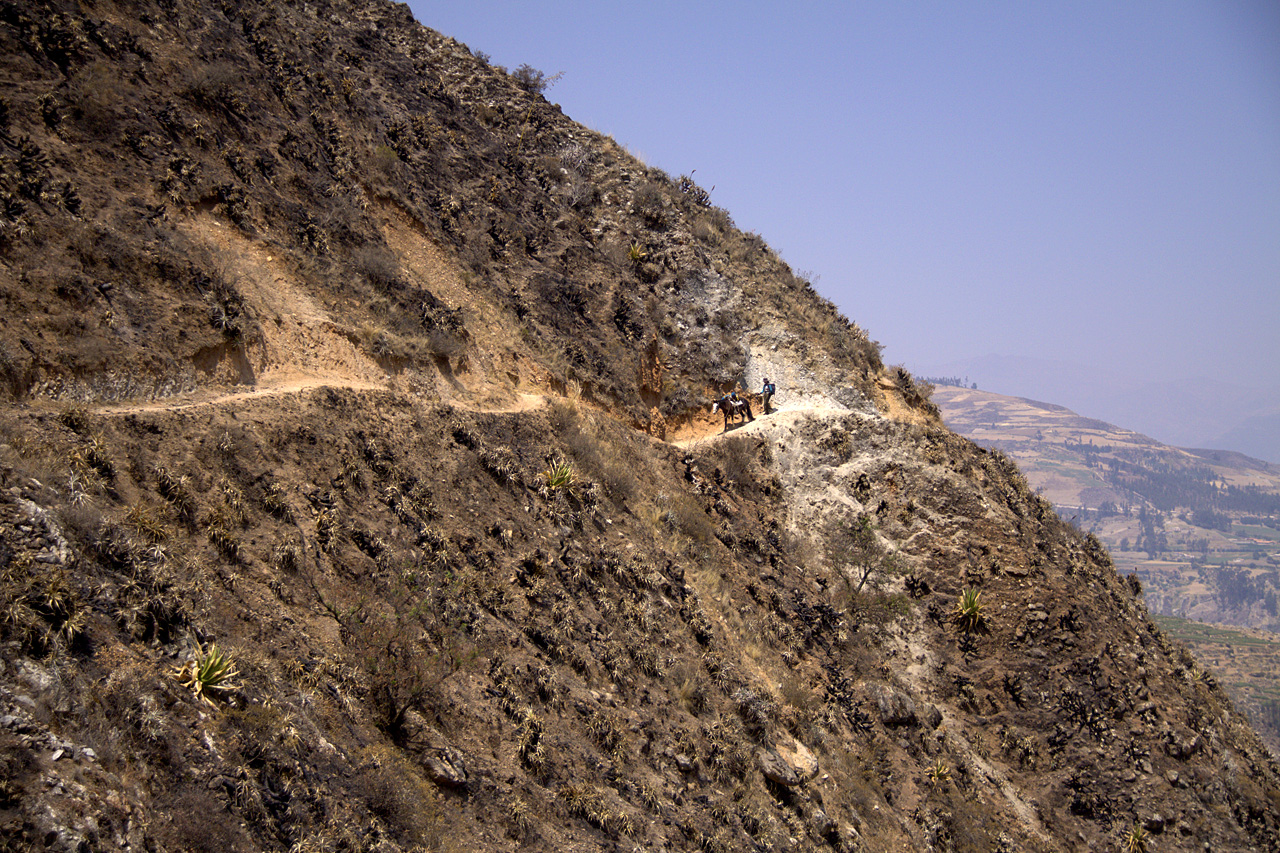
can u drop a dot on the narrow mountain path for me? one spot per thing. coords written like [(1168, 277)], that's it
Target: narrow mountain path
[(714, 430), (523, 401), (260, 391)]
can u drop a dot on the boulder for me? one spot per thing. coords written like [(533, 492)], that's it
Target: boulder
[(895, 706), (446, 767), (787, 763)]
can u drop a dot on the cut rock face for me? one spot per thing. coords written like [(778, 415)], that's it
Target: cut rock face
[(789, 763)]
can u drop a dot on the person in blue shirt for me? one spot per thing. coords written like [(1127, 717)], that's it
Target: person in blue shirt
[(767, 393)]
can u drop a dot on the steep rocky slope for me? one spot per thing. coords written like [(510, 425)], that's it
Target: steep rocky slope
[(337, 352)]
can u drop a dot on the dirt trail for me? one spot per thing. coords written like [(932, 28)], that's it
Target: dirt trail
[(302, 348), (261, 391), (710, 429), (524, 402)]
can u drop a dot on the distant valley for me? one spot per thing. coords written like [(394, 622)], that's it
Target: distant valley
[(1200, 528), (1192, 411)]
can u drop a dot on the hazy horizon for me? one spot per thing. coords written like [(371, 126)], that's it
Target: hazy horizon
[(1180, 413)]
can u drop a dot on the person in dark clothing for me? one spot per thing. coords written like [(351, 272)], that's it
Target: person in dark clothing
[(767, 394)]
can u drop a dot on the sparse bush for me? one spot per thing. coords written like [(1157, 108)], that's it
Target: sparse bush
[(147, 524), (682, 516), (704, 232), (395, 791), (650, 204), (287, 557), (736, 460), (690, 690), (378, 264), (532, 80), (224, 540), (917, 392), (218, 86), (327, 527), (42, 611), (588, 802), (274, 501), (693, 192), (446, 344), (175, 489), (757, 711), (406, 655), (607, 732), (76, 419), (92, 460), (518, 812), (856, 546), (529, 744), (576, 158), (233, 503)]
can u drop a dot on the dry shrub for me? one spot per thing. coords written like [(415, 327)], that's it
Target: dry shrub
[(378, 264), (393, 789), (19, 766), (96, 98), (683, 514), (198, 823), (735, 457), (705, 232), (598, 457), (126, 719), (917, 392), (650, 203), (800, 697), (217, 86), (445, 343), (690, 688)]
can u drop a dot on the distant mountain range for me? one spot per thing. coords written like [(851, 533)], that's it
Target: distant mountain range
[(1199, 412), (1078, 461)]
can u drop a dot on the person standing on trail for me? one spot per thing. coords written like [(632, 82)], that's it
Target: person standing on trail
[(767, 393)]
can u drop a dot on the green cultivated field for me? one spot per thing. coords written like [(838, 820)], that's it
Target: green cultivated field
[(1245, 662)]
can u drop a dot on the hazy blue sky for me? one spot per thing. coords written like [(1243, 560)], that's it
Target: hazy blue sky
[(1095, 183)]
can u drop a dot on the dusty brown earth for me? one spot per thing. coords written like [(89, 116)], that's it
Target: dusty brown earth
[(381, 383)]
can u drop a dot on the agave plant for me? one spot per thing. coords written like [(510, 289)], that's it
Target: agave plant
[(1135, 840), (559, 476), (210, 673), (969, 614)]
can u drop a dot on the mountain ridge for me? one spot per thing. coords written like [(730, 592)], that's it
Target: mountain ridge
[(360, 491), (1195, 410)]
